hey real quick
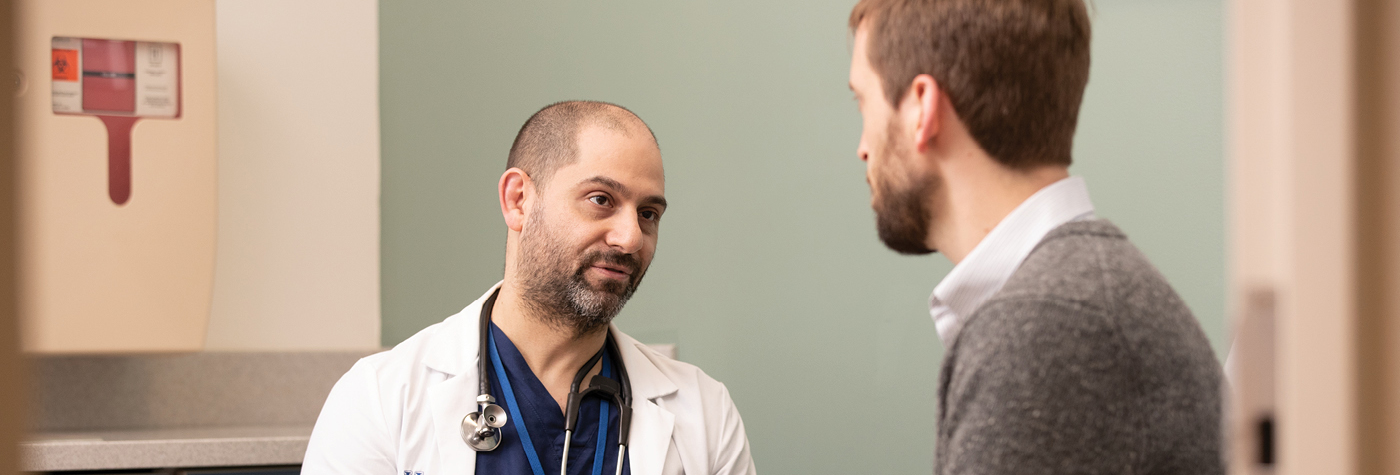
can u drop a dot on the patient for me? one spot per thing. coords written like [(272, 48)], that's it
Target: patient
[(532, 377)]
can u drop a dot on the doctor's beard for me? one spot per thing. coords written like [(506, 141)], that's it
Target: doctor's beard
[(554, 287)]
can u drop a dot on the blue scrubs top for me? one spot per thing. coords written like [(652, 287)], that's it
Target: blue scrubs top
[(544, 420)]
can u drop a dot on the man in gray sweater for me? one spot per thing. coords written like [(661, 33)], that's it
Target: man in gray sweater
[(1067, 352)]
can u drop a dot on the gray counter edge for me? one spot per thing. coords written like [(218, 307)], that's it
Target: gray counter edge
[(59, 455)]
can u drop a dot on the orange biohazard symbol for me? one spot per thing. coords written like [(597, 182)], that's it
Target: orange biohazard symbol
[(65, 65)]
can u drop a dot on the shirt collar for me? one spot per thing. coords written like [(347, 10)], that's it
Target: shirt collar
[(983, 272)]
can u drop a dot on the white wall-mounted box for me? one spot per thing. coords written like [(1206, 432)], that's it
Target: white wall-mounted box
[(116, 256)]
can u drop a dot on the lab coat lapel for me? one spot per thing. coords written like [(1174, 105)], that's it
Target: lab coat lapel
[(451, 400), (454, 351), (651, 424), (650, 438)]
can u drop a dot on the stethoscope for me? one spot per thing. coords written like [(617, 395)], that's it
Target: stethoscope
[(485, 436)]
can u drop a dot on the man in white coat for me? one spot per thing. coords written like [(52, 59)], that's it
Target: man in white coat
[(582, 198)]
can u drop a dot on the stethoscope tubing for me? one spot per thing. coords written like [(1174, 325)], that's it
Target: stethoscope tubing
[(622, 397), (535, 464)]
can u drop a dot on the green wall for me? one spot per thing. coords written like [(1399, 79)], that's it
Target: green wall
[(768, 274)]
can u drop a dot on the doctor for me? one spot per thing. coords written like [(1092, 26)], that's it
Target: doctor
[(582, 199)]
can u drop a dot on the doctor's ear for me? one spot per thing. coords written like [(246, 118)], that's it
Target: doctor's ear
[(516, 190)]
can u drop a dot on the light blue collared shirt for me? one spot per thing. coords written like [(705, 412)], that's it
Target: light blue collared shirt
[(987, 268)]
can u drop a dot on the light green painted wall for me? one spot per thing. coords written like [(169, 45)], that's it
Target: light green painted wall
[(768, 274)]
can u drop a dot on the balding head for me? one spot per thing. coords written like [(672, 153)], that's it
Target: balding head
[(549, 139)]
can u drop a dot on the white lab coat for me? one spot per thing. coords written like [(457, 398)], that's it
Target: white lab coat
[(400, 411)]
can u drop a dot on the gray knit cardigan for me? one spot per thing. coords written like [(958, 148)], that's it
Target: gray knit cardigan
[(1085, 362)]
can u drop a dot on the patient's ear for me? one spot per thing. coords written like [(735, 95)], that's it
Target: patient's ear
[(516, 190), (921, 104)]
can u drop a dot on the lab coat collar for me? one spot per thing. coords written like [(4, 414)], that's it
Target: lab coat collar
[(453, 350), (648, 382)]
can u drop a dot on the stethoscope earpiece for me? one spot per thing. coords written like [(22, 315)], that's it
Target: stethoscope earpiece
[(482, 429)]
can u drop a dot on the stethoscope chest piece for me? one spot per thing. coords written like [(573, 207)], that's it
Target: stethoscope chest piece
[(482, 429)]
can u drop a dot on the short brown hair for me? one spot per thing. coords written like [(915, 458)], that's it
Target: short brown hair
[(1014, 70), (549, 139)]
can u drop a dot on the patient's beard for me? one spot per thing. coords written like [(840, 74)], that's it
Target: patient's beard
[(555, 289), (902, 214)]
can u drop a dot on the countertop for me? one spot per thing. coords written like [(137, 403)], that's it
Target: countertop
[(164, 448), (116, 412)]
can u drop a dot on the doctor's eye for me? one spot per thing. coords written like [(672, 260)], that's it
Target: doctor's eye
[(600, 200), (650, 215)]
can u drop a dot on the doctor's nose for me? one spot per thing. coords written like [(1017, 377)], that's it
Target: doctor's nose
[(626, 234)]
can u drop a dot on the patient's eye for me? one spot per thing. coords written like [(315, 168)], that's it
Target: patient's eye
[(650, 215), (600, 200)]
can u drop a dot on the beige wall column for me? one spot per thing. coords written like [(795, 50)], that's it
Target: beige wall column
[(298, 255), (1292, 222)]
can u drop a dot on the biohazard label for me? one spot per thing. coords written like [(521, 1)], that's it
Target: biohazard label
[(67, 75), (65, 65)]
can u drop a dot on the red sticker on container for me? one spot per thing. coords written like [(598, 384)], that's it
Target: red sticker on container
[(65, 65)]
